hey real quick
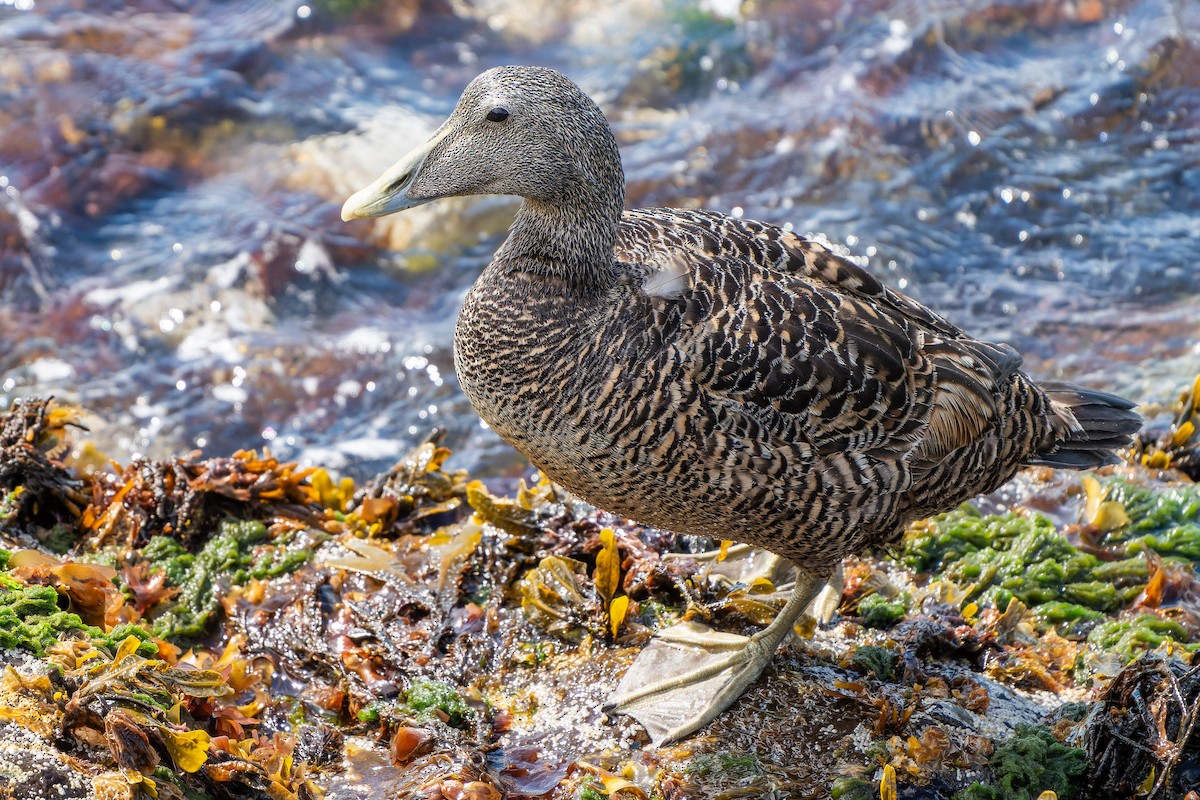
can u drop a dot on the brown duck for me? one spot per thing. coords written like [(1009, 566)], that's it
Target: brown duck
[(711, 375)]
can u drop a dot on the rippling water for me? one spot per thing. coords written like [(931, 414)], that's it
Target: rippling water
[(170, 172)]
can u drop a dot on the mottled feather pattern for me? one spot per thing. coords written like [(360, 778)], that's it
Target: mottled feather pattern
[(713, 375), (779, 395)]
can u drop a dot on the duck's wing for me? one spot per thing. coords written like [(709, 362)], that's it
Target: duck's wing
[(779, 325)]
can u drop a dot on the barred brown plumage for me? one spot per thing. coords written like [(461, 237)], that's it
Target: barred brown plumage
[(708, 374)]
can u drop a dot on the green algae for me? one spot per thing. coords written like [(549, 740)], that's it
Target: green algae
[(59, 539), (230, 557), (1059, 613), (724, 764), (853, 789), (951, 536), (875, 660), (878, 611), (1153, 510), (9, 505), (1029, 763), (423, 701), (655, 615), (588, 790), (113, 639), (1129, 638), (371, 713), (425, 696), (30, 619), (1000, 557), (1163, 519)]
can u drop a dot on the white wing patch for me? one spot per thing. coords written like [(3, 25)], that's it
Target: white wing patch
[(671, 279)]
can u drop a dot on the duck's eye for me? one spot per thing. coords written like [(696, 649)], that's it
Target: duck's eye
[(497, 114)]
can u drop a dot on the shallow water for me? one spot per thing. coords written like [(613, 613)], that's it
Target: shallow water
[(170, 172)]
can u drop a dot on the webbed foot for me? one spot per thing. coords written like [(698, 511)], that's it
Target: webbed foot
[(706, 670)]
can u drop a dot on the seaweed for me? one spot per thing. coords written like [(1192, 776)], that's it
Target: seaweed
[(1130, 637), (187, 499), (144, 710), (846, 788), (31, 619), (1020, 555), (1029, 763), (37, 491), (550, 595), (415, 494), (230, 558), (1163, 519), (878, 611), (426, 698), (1178, 447), (515, 517), (733, 766), (590, 790), (433, 582), (875, 660), (1140, 738)]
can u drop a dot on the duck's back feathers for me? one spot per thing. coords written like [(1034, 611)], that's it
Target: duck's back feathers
[(784, 325)]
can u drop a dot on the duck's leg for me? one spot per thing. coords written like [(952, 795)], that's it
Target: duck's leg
[(707, 669)]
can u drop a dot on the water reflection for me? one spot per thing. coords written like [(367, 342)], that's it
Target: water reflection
[(171, 256)]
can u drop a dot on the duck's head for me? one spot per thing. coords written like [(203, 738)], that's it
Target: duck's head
[(526, 131)]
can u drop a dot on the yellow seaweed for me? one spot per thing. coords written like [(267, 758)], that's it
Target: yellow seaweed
[(887, 785), (616, 613), (188, 749), (549, 593), (608, 566)]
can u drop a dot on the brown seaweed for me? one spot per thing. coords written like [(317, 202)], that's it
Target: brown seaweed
[(1141, 738)]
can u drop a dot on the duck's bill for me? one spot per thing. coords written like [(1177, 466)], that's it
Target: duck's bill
[(390, 192)]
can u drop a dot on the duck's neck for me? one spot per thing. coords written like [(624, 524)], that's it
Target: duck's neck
[(571, 234)]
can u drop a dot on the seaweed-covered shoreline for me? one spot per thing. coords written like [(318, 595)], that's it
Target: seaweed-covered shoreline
[(241, 627)]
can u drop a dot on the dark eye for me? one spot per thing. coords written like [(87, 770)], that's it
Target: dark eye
[(497, 114)]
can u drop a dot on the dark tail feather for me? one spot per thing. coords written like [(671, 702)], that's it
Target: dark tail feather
[(1108, 424)]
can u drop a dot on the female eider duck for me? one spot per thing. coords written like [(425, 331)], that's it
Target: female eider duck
[(712, 375)]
